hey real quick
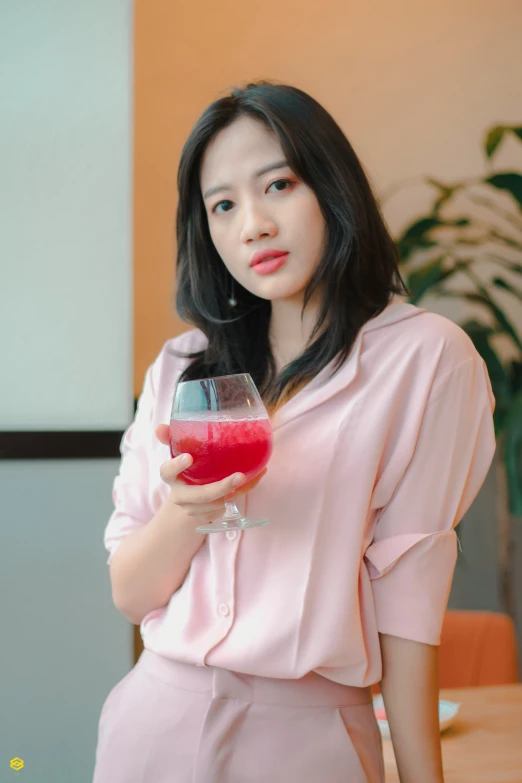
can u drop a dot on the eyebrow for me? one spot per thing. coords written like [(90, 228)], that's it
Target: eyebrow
[(280, 164)]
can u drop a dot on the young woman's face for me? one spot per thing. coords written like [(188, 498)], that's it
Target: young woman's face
[(255, 203)]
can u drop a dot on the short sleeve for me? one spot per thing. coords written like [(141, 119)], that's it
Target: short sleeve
[(412, 557), (130, 492)]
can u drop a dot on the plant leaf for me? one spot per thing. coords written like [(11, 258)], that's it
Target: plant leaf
[(509, 181), (517, 132), (504, 325), (506, 240), (493, 139), (517, 268), (502, 320), (513, 455), (516, 376), (446, 192), (500, 379), (425, 277), (414, 238), (500, 283)]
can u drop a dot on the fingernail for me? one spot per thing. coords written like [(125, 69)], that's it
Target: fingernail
[(237, 480), (185, 460)]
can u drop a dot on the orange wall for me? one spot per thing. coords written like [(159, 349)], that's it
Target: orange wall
[(413, 85)]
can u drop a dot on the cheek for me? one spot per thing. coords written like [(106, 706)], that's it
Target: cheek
[(312, 227), (317, 222), (307, 215), (214, 233), (226, 247)]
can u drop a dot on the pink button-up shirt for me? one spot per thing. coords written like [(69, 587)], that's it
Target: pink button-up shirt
[(371, 471)]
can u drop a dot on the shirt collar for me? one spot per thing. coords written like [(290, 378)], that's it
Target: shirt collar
[(323, 386)]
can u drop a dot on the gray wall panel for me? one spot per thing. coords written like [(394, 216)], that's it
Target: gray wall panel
[(64, 645)]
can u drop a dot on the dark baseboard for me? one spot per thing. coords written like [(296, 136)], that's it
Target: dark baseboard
[(60, 445)]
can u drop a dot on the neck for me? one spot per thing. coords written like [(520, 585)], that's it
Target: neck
[(290, 329)]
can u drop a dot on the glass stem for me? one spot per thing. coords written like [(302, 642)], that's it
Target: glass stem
[(231, 510)]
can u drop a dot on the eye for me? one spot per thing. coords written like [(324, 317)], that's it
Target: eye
[(281, 184), (226, 206)]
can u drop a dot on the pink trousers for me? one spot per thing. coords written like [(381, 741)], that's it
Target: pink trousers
[(169, 722)]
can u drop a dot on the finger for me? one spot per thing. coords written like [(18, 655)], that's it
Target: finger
[(162, 433), (251, 484), (171, 469), (211, 510), (207, 518), (235, 491), (208, 493)]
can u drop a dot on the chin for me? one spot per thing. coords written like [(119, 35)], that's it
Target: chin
[(279, 290), (281, 296)]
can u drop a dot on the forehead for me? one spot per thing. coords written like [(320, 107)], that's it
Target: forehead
[(237, 151)]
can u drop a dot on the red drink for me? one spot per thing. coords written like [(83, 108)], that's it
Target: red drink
[(221, 446)]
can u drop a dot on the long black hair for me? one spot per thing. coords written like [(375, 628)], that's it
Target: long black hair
[(357, 275)]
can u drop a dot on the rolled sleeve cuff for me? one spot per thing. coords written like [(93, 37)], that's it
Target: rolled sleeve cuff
[(411, 580)]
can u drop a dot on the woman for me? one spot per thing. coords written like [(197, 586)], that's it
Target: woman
[(261, 646)]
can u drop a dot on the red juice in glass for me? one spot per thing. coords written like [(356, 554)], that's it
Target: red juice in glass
[(221, 445)]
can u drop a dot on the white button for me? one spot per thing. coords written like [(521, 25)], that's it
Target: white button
[(231, 535), (224, 610)]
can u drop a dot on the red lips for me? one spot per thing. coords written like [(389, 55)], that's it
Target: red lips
[(264, 255)]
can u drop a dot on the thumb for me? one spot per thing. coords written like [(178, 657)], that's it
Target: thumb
[(162, 433)]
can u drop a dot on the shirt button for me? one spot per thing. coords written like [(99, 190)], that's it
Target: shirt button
[(224, 610), (231, 535)]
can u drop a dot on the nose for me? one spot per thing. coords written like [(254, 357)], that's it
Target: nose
[(257, 224)]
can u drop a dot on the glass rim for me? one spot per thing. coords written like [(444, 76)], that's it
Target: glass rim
[(218, 378)]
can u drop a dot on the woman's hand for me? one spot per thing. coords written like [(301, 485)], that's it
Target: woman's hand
[(206, 502)]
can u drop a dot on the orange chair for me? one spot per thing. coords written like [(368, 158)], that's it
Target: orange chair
[(476, 648)]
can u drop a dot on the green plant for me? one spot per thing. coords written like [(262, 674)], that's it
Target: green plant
[(468, 247)]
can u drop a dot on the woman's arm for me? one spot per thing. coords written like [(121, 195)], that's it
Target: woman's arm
[(152, 562), (410, 689)]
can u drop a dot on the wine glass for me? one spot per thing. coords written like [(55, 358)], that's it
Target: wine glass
[(222, 423)]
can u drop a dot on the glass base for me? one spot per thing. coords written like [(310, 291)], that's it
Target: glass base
[(222, 526)]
